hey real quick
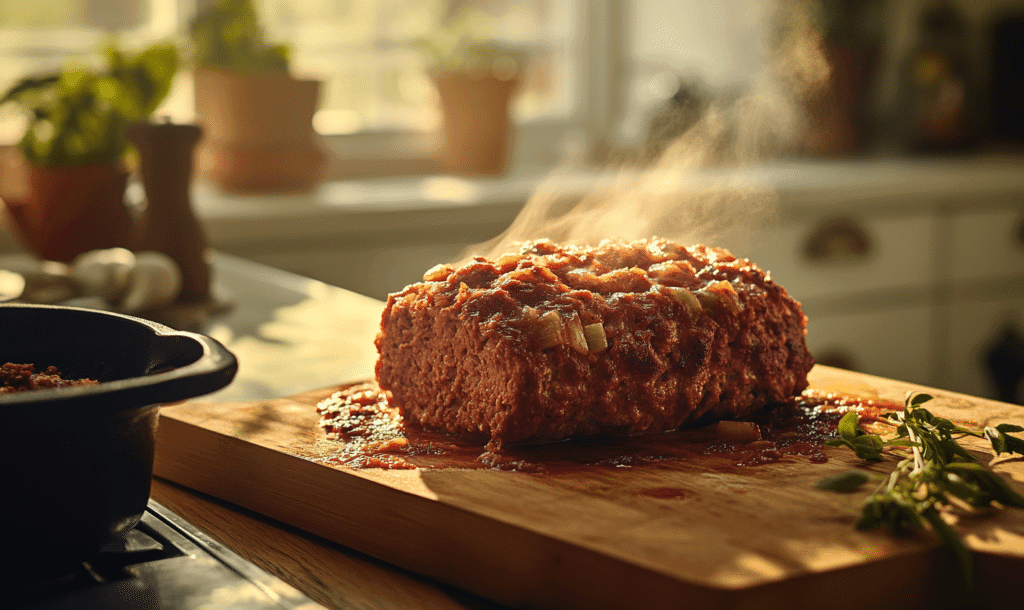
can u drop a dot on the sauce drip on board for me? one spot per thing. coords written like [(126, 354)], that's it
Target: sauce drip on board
[(371, 434)]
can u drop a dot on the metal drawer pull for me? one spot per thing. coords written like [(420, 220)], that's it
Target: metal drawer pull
[(838, 240)]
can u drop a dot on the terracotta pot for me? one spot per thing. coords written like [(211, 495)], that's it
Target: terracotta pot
[(258, 131), (68, 210), (476, 133)]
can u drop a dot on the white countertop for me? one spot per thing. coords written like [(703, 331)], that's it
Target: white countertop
[(290, 334)]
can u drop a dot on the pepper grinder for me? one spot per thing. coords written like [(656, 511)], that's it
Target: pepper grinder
[(166, 152)]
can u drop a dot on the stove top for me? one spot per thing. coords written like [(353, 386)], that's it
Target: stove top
[(165, 563)]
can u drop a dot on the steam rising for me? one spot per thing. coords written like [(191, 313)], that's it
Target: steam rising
[(701, 184)]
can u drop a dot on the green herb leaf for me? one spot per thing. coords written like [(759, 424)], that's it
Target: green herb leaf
[(963, 490), (866, 446), (902, 443), (918, 399), (869, 447), (948, 535), (937, 470), (997, 439), (849, 426), (844, 481), (989, 481), (1003, 442)]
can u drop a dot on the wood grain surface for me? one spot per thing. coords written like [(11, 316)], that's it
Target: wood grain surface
[(759, 537)]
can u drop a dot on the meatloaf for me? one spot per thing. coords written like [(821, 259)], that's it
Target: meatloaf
[(558, 341)]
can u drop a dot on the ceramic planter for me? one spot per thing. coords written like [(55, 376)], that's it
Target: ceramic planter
[(476, 133), (258, 131), (70, 209)]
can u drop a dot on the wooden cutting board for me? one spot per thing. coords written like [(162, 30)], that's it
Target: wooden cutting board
[(684, 533)]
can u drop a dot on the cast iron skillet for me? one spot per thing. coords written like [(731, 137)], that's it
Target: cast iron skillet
[(77, 462)]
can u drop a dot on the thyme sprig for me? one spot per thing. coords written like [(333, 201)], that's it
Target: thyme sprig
[(936, 480)]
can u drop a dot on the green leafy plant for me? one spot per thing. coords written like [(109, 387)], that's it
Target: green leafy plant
[(80, 115), (465, 43), (228, 34), (937, 478)]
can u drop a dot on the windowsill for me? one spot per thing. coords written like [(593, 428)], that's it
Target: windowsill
[(366, 208), (432, 206), (369, 208)]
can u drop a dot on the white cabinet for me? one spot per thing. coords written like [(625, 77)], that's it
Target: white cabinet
[(989, 244), (922, 282), (830, 256), (985, 341), (983, 307), (891, 341)]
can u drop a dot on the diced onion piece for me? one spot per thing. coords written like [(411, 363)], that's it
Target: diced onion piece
[(720, 296), (597, 341), (574, 332), (437, 273), (738, 431), (548, 275), (687, 298), (507, 262), (549, 331)]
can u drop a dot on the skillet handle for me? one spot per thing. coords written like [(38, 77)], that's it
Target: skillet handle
[(186, 365)]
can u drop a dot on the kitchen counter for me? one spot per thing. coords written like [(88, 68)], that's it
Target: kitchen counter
[(331, 575), (292, 334)]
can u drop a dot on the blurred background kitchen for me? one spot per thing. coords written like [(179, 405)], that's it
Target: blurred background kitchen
[(869, 153)]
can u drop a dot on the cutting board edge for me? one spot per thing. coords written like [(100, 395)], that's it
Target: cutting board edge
[(549, 583), (560, 575)]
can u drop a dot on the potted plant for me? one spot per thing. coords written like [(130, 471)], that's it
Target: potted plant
[(257, 118), (476, 79), (74, 147)]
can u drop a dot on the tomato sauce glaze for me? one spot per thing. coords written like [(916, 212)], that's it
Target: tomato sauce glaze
[(371, 434)]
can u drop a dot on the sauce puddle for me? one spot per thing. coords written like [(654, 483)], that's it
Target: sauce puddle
[(371, 434)]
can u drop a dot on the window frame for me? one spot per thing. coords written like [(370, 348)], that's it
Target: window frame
[(597, 42)]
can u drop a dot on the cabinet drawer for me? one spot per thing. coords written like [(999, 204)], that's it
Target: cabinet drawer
[(987, 244), (894, 343), (980, 329), (831, 257)]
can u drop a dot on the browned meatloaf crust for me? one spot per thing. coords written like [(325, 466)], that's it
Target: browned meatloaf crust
[(510, 351)]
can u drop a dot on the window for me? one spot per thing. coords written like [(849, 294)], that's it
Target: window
[(375, 77), (41, 35), (377, 101)]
